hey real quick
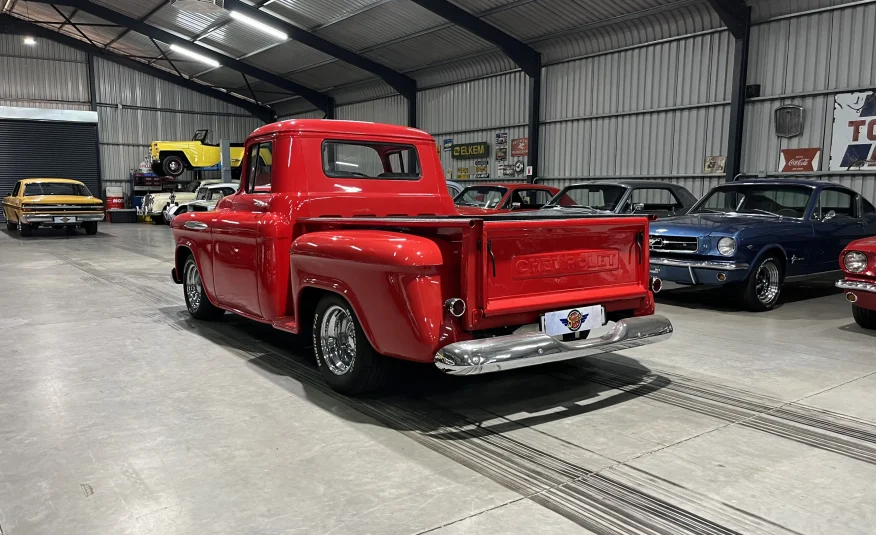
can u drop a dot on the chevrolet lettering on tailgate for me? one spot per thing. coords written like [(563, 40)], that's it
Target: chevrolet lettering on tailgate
[(572, 263)]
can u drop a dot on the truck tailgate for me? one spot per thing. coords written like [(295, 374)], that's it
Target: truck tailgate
[(541, 265)]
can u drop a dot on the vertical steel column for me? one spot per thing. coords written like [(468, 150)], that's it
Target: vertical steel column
[(534, 119), (412, 108), (225, 159), (92, 96), (329, 109), (737, 99)]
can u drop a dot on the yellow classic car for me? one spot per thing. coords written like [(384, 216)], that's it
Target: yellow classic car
[(173, 158), (55, 202)]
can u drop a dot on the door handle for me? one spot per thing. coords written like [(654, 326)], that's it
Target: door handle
[(259, 204), (195, 225)]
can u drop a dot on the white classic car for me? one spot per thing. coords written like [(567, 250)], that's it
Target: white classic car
[(154, 204), (205, 200)]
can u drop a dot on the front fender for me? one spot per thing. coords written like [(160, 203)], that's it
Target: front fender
[(392, 280)]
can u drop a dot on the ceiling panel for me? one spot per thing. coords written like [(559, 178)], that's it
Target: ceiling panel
[(35, 11), (225, 77), (330, 75), (288, 57), (440, 45), (380, 24), (136, 44), (186, 22), (132, 8), (312, 14), (99, 34), (238, 39)]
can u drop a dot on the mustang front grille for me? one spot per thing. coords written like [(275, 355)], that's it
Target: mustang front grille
[(673, 244)]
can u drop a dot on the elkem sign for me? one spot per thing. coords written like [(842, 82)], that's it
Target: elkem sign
[(463, 151)]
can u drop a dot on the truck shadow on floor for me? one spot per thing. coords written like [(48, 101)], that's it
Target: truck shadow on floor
[(446, 407), (42, 234), (728, 299)]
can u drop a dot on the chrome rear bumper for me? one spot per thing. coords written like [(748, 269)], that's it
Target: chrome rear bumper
[(488, 355), (860, 286), (50, 218)]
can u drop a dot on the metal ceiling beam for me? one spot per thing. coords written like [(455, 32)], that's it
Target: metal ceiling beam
[(405, 85), (13, 25), (320, 100), (526, 57), (735, 14)]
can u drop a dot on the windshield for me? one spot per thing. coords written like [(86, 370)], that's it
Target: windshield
[(56, 188), (200, 135), (217, 193), (596, 196), (202, 194), (481, 196), (756, 199)]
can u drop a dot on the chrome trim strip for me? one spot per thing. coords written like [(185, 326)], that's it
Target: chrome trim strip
[(195, 225), (500, 353), (860, 286), (49, 218), (703, 264)]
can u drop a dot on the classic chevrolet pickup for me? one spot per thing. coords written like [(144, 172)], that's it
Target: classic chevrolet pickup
[(350, 237)]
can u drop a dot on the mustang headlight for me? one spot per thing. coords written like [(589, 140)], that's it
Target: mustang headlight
[(727, 246), (855, 261)]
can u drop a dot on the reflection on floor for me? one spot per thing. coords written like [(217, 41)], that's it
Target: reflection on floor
[(120, 414)]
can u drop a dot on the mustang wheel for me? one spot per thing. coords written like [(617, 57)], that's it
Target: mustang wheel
[(197, 302), (172, 166), (345, 357), (764, 285), (24, 229), (864, 317)]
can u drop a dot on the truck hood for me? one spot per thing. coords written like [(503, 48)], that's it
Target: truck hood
[(706, 224), (61, 199)]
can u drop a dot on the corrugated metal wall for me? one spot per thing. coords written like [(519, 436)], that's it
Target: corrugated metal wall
[(475, 111), (391, 110), (134, 109)]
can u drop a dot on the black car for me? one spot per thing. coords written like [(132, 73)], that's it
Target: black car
[(625, 197)]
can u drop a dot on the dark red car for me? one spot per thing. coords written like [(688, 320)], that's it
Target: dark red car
[(858, 262), (487, 198)]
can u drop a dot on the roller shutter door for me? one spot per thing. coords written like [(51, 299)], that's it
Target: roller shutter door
[(40, 149)]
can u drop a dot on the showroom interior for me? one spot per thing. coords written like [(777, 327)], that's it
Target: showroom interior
[(697, 369)]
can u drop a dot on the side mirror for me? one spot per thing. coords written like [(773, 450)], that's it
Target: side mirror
[(515, 205), (829, 215), (638, 207)]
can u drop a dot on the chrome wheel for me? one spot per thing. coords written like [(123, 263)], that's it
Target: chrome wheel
[(173, 166), (767, 280), (337, 339), (193, 286)]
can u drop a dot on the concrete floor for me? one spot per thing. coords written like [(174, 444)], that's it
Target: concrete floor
[(119, 414)]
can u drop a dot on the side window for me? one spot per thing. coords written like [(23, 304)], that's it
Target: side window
[(529, 198), (654, 200), (842, 203), (17, 189), (259, 168)]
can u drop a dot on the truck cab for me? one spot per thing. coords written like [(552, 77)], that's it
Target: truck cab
[(345, 231)]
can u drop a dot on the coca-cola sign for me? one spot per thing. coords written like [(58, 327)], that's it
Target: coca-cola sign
[(800, 160)]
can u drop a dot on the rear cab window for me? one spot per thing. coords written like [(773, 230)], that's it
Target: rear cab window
[(370, 160)]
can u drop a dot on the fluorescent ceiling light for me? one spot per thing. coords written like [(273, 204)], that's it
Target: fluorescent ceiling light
[(195, 55), (29, 41), (259, 25)]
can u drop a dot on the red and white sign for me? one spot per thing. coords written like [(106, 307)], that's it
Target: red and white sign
[(800, 160), (853, 144), (520, 146)]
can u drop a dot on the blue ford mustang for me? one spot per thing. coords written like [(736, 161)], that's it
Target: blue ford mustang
[(757, 234)]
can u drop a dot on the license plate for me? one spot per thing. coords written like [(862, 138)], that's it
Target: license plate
[(573, 320), (65, 219)]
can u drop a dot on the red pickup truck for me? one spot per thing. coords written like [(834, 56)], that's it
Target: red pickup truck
[(344, 231)]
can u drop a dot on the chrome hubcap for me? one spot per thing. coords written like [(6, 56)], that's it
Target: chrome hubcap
[(767, 282), (193, 286), (337, 340), (173, 165)]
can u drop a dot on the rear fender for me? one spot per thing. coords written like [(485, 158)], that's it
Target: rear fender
[(393, 282), (199, 245)]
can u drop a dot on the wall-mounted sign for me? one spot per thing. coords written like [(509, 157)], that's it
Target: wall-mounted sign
[(520, 147), (854, 131), (462, 173), (506, 169), (502, 139), (482, 167), (482, 175), (715, 165), (501, 154), (799, 160), (463, 151), (518, 166), (448, 145)]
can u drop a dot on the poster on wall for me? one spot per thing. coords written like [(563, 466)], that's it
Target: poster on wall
[(506, 169), (520, 147), (448, 145), (799, 160), (715, 165), (854, 131), (482, 169), (502, 154), (502, 139), (462, 151), (462, 173)]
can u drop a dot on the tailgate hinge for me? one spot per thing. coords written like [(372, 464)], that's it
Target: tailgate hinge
[(640, 242)]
